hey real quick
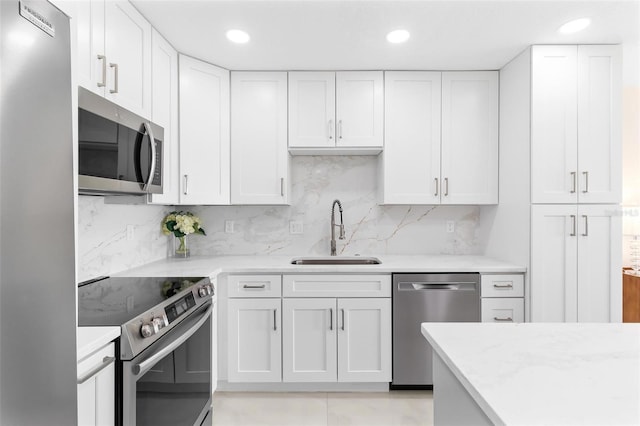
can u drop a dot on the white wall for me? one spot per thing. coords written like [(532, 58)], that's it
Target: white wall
[(103, 247)]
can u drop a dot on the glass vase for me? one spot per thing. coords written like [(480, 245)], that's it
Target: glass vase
[(180, 247)]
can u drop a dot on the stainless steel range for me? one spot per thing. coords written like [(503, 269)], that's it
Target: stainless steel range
[(164, 368)]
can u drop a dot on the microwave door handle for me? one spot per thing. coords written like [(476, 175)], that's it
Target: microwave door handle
[(152, 144)]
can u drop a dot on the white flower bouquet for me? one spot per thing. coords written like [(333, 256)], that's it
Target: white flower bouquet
[(181, 224)]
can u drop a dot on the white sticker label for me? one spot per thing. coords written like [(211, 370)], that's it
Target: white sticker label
[(32, 15)]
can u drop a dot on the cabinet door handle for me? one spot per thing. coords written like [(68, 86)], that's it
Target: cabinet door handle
[(104, 70), (282, 187), (186, 184), (586, 182), (507, 319), (436, 193), (586, 226), (573, 227), (342, 314), (446, 186), (106, 361), (330, 129), (115, 78), (574, 178), (330, 318), (275, 320), (339, 129)]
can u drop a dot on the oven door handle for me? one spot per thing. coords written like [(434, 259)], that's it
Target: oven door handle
[(144, 366)]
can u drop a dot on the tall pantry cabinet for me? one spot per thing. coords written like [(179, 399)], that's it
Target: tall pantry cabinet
[(560, 119)]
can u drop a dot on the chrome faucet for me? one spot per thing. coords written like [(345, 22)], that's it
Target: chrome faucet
[(333, 226)]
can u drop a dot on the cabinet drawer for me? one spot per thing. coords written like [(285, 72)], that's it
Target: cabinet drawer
[(95, 360), (502, 285), (255, 285), (503, 310), (336, 286)]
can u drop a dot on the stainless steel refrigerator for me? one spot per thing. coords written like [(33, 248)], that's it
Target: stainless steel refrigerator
[(37, 254)]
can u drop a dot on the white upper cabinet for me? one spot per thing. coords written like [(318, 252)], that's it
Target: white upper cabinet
[(312, 109), (336, 112), (599, 124), (575, 127), (164, 112), (204, 133), (469, 137), (441, 138), (259, 157), (359, 109), (411, 157), (114, 53)]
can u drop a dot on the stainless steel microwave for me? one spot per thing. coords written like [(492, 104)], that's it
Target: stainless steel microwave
[(119, 152)]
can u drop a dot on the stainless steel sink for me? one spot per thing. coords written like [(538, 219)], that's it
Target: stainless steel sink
[(336, 260)]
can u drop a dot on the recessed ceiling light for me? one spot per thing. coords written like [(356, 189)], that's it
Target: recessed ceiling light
[(398, 36), (574, 26), (238, 36)]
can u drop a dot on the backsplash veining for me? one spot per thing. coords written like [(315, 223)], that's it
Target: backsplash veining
[(317, 180), (103, 247)]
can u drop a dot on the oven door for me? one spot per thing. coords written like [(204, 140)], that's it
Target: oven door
[(170, 382)]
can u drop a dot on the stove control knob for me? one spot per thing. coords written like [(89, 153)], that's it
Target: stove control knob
[(158, 323), (205, 290), (147, 330)]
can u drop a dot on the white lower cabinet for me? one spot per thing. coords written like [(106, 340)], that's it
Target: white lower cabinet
[(309, 344), (502, 309), (576, 263), (502, 298), (254, 338), (316, 337), (364, 340), (96, 388), (346, 338), (329, 340)]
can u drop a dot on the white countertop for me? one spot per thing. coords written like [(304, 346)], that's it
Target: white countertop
[(213, 265), (90, 339), (551, 374)]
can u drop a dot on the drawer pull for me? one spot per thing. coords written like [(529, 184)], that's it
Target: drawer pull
[(254, 286), (508, 285), (106, 361), (507, 319)]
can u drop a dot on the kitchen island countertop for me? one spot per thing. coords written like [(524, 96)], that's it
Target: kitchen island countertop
[(551, 374), (213, 265)]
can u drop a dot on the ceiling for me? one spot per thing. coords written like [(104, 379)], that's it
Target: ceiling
[(335, 35)]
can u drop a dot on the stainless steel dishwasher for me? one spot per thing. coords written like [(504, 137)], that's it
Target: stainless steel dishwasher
[(418, 298)]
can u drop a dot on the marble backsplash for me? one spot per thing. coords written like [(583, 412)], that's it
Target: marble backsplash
[(370, 228)]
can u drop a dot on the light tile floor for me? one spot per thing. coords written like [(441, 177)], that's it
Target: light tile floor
[(401, 408)]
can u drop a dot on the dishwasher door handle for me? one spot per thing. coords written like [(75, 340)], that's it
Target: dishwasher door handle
[(449, 285)]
